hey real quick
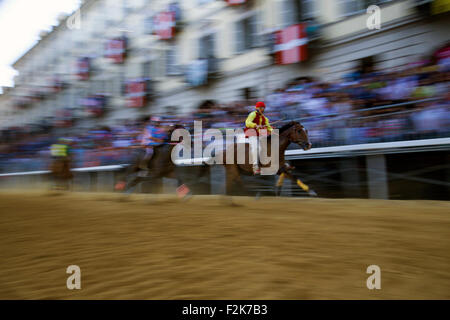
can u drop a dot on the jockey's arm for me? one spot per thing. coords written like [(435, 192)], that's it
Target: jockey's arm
[(145, 140), (249, 122), (268, 126)]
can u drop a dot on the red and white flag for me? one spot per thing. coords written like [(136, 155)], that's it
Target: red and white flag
[(83, 65), (291, 44), (115, 50), (136, 94), (165, 25)]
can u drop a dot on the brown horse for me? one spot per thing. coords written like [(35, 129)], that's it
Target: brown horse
[(159, 166), (292, 132), (60, 173)]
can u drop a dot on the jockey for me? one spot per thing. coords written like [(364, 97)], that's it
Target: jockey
[(261, 126), (61, 154), (61, 150), (154, 135)]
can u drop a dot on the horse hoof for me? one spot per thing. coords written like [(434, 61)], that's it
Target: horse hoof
[(312, 193), (142, 174), (183, 191), (120, 186)]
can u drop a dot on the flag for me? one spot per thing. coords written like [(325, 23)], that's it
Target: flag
[(136, 93), (115, 50), (165, 25), (83, 68), (291, 44)]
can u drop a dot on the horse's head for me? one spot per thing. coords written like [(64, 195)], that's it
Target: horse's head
[(172, 128), (298, 134)]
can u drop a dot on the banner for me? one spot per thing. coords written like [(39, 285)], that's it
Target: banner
[(95, 105), (291, 44), (63, 118), (116, 49), (164, 26), (136, 93), (83, 68)]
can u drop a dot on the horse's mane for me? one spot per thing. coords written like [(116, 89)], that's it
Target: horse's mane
[(287, 126), (283, 128)]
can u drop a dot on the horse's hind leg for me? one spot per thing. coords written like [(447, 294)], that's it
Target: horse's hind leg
[(232, 177)]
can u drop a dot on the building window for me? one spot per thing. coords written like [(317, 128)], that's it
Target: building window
[(207, 47), (248, 93), (148, 25), (349, 7), (289, 12), (158, 64), (119, 85), (246, 35), (308, 9), (295, 11), (146, 69), (126, 7), (110, 87), (172, 67)]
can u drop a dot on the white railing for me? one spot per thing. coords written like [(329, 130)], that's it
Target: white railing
[(368, 148)]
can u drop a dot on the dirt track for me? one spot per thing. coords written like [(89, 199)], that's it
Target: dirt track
[(266, 249)]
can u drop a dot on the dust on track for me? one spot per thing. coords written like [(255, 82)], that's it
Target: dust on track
[(274, 248)]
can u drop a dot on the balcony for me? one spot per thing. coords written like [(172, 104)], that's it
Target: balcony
[(201, 71)]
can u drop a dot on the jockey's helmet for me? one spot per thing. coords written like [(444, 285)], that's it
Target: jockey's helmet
[(260, 105)]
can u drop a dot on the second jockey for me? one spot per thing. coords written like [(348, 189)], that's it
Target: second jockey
[(154, 135), (256, 125)]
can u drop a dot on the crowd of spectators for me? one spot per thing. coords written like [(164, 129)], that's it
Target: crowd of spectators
[(361, 108)]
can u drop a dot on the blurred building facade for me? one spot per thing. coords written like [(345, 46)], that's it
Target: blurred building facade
[(130, 58)]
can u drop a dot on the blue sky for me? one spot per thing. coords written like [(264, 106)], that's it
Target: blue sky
[(20, 24)]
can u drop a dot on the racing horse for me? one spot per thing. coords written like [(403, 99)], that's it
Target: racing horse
[(291, 132), (159, 166), (60, 173)]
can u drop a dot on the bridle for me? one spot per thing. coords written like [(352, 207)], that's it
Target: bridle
[(303, 144)]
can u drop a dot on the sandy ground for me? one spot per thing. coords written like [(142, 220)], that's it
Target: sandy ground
[(148, 248)]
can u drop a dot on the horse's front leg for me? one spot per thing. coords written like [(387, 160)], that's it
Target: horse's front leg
[(130, 186), (183, 191), (279, 184), (302, 185)]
